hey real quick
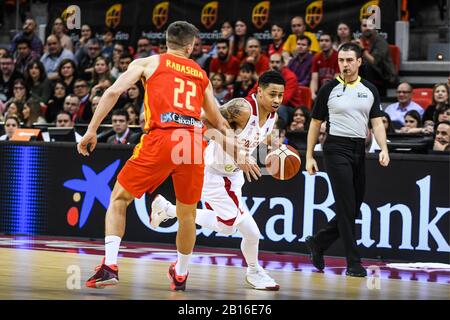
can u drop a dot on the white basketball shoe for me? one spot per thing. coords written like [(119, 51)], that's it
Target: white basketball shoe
[(160, 211), (259, 279)]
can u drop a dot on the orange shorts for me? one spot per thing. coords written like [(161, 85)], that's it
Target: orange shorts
[(162, 153)]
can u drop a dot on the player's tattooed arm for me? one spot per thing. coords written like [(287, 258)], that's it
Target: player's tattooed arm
[(235, 111)]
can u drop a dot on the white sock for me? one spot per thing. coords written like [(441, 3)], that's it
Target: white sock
[(182, 264), (112, 244), (250, 242), (207, 219)]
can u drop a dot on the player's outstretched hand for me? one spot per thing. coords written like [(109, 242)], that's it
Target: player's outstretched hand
[(89, 140), (250, 167)]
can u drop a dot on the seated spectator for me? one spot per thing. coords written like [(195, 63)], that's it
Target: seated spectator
[(280, 125), (413, 123), (67, 72), (240, 40), (118, 50), (144, 48), (86, 61), (56, 102), (398, 110), (162, 46), (13, 108), (298, 27), (28, 32), (132, 114), (227, 33), (101, 72), (199, 56), (20, 91), (108, 44), (224, 63), (59, 31), (277, 43), (291, 97), (135, 138), (442, 114), (442, 137), (300, 120), (124, 61), (324, 65), (440, 100), (24, 54), (245, 80), (377, 66), (12, 123), (221, 92), (31, 113), (64, 120), (37, 82), (343, 35), (80, 45), (56, 53), (7, 77), (387, 123), (72, 106), (301, 63), (255, 56), (120, 127), (81, 90)]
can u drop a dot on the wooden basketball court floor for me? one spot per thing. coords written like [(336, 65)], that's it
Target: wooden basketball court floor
[(49, 268)]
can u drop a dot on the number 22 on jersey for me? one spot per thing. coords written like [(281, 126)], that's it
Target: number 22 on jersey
[(187, 90)]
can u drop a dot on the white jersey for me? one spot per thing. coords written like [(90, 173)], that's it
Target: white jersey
[(250, 137)]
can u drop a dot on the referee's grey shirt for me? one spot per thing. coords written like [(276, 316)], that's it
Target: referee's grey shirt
[(347, 108)]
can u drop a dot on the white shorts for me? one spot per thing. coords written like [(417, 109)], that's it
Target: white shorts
[(223, 195)]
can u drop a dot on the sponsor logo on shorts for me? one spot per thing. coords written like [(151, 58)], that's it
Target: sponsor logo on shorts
[(181, 119)]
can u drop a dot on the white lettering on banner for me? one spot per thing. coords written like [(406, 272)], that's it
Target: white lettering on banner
[(287, 217), (365, 222), (424, 225), (309, 205), (385, 219)]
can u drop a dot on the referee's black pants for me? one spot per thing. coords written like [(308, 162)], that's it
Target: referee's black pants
[(345, 164)]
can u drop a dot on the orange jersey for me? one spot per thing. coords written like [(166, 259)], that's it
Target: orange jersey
[(174, 94)]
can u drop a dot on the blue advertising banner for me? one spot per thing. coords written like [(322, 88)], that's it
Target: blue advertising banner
[(48, 189)]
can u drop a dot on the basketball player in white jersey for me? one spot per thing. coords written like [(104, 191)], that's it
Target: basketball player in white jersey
[(252, 120)]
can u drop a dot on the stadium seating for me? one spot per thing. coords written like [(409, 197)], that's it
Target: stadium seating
[(422, 96)]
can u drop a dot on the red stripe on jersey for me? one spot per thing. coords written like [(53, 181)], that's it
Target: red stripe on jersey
[(252, 100)]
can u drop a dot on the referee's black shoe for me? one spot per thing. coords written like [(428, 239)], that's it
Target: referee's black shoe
[(356, 270), (315, 253)]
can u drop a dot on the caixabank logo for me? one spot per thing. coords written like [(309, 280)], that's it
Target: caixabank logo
[(94, 186)]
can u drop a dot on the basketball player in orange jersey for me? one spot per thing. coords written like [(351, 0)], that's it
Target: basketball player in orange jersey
[(253, 119), (176, 88)]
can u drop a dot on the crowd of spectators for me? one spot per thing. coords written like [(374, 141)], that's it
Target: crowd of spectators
[(61, 81)]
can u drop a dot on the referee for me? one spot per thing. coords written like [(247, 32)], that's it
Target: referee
[(347, 103)]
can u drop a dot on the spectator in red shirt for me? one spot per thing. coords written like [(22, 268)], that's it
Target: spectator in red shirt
[(276, 46), (325, 64), (291, 97), (224, 63), (254, 55)]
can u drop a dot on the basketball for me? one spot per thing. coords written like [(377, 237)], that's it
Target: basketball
[(283, 163)]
